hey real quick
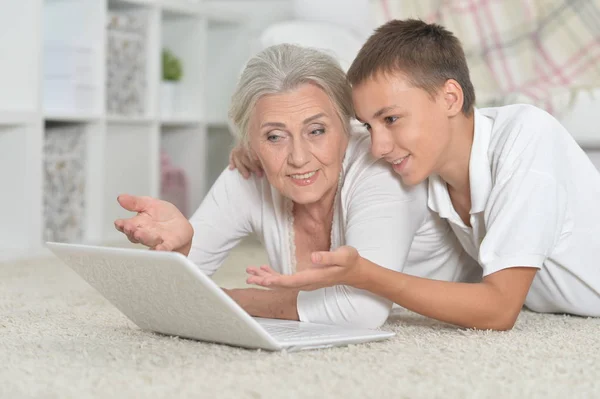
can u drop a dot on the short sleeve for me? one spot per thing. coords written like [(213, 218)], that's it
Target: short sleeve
[(223, 219), (382, 217), (524, 218)]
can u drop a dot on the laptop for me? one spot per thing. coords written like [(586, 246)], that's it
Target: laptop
[(167, 293)]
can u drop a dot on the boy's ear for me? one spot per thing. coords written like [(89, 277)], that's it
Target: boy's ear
[(453, 97)]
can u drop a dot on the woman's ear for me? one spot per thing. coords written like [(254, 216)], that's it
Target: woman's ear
[(453, 97)]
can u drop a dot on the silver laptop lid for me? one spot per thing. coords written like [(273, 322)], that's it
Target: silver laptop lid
[(164, 292)]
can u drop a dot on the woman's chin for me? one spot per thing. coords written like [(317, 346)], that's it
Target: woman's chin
[(305, 198)]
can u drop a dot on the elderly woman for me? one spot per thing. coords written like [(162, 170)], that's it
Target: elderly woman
[(292, 109)]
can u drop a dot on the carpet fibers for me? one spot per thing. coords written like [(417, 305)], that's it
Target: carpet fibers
[(60, 339)]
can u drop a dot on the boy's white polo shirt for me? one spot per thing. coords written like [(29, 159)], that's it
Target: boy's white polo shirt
[(535, 201)]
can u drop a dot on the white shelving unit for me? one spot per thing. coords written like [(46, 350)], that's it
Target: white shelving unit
[(54, 73)]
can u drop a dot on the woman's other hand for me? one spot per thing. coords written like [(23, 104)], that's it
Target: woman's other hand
[(158, 224), (241, 159)]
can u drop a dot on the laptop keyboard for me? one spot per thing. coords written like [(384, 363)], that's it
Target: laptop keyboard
[(298, 332)]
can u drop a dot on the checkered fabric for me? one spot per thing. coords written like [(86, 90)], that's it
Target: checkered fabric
[(529, 51)]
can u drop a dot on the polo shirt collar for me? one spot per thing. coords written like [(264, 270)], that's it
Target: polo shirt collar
[(480, 175)]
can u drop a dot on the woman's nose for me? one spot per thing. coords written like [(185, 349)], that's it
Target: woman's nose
[(299, 154), (381, 144)]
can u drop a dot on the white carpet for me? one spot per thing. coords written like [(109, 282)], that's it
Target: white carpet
[(60, 339)]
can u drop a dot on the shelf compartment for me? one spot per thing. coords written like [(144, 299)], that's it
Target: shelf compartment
[(73, 52), (20, 32), (20, 208), (184, 37)]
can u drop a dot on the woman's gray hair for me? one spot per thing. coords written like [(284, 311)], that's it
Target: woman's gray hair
[(284, 67)]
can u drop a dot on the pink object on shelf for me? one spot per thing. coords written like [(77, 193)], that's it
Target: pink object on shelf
[(173, 184)]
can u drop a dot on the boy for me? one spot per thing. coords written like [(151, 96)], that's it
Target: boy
[(520, 194)]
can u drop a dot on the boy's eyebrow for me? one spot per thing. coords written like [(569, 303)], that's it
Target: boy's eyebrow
[(383, 110)]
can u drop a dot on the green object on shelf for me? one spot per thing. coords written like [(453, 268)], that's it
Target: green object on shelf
[(171, 66)]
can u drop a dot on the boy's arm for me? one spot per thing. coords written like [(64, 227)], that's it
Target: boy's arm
[(493, 304)]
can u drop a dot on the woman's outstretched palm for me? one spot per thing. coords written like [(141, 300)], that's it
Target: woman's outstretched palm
[(158, 224)]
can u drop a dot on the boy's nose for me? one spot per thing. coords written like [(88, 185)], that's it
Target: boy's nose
[(381, 144)]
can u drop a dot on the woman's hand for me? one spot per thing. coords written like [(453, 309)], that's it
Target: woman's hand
[(339, 267), (158, 224), (241, 158)]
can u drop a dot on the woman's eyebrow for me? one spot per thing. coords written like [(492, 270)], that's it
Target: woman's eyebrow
[(273, 124), (282, 125), (312, 118)]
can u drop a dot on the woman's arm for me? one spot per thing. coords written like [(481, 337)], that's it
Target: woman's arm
[(273, 304)]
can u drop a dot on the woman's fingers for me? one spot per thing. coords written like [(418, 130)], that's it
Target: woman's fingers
[(163, 246), (139, 231), (119, 223), (134, 203), (148, 238), (131, 239)]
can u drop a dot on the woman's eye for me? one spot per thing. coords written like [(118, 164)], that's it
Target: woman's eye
[(273, 138), (390, 119), (317, 132)]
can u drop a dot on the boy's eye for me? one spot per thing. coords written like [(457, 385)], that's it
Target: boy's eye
[(390, 119), (367, 126)]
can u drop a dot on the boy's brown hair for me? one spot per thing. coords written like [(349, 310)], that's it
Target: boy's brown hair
[(428, 54)]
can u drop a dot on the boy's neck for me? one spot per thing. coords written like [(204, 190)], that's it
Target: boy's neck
[(455, 170)]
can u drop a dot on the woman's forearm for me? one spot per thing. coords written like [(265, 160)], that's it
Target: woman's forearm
[(477, 305), (274, 304)]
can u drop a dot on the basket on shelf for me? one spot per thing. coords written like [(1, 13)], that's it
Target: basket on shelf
[(126, 48), (64, 184)]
